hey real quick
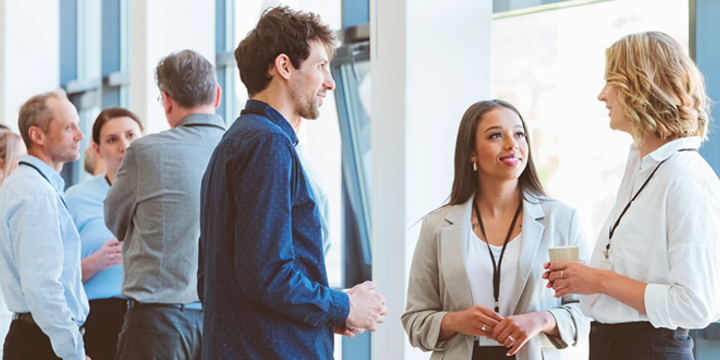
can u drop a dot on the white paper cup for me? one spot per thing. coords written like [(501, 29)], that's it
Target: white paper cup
[(564, 253)]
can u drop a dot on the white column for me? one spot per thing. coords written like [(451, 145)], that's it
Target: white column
[(158, 28), (29, 55), (430, 62)]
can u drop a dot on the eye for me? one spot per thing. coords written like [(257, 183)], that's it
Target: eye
[(495, 135), (520, 134)]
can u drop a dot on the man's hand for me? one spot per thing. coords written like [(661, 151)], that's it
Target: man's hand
[(344, 330), (367, 308)]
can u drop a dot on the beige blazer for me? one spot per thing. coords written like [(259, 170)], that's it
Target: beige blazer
[(438, 282)]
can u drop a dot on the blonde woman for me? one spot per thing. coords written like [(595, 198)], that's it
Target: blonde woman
[(11, 147), (655, 271), (476, 290)]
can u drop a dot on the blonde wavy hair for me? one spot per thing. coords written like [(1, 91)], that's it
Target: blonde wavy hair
[(660, 88), (11, 148)]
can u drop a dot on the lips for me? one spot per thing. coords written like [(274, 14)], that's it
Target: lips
[(511, 160)]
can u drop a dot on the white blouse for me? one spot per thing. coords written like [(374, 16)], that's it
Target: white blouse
[(479, 269), (669, 238)]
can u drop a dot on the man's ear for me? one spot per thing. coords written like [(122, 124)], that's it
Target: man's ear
[(37, 136), (282, 67), (218, 96), (167, 103)]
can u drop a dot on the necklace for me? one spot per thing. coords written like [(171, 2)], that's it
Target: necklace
[(496, 267)]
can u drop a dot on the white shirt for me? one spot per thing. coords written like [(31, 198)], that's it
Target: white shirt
[(669, 238), (479, 269), (40, 256)]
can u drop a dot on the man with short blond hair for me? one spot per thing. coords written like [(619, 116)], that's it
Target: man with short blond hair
[(39, 244)]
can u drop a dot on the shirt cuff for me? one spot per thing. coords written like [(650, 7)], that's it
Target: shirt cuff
[(339, 308), (567, 333), (656, 305)]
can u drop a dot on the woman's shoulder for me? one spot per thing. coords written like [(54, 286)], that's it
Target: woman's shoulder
[(553, 209)]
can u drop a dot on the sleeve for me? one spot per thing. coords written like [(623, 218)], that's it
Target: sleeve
[(121, 199), (264, 251), (690, 296), (38, 250), (423, 313), (573, 326), (201, 272)]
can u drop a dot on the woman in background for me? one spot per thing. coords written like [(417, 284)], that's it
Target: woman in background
[(11, 147), (655, 271), (475, 285), (113, 131)]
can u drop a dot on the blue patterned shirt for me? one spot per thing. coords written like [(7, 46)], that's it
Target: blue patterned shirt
[(262, 276)]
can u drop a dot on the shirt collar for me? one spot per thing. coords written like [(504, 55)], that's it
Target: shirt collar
[(274, 116), (212, 119), (55, 179), (667, 150)]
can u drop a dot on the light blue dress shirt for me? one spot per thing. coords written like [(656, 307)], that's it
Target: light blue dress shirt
[(40, 256), (85, 203)]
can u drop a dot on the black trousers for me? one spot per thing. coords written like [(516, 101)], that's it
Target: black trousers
[(638, 341), (103, 326), (490, 352), (26, 341)]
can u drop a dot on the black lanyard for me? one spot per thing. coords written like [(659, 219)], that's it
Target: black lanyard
[(614, 227), (44, 177), (496, 267)]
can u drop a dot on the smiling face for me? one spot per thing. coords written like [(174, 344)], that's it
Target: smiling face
[(500, 145), (618, 120), (115, 137), (311, 82)]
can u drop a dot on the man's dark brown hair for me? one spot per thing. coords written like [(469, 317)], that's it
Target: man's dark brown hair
[(280, 30)]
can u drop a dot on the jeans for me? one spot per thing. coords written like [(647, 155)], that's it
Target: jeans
[(160, 333), (638, 341)]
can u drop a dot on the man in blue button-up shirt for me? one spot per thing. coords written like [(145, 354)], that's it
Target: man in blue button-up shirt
[(39, 244), (262, 274)]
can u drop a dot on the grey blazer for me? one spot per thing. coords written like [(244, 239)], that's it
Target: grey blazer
[(438, 282)]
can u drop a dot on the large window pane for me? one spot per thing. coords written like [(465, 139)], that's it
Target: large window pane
[(551, 65)]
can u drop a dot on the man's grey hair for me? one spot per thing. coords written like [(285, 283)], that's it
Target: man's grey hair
[(36, 112), (188, 78)]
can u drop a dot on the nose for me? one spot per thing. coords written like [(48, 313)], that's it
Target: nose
[(78, 134), (602, 96), (511, 142), (329, 83)]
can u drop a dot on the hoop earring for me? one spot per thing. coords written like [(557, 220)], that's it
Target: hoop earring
[(474, 166)]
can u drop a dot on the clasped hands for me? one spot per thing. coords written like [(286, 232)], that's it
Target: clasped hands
[(512, 331), (367, 309)]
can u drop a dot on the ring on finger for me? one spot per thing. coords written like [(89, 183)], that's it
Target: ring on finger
[(112, 256), (561, 274), (484, 328), (511, 338)]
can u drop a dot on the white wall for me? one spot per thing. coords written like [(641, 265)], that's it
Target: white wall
[(158, 28), (430, 62), (29, 53), (29, 65)]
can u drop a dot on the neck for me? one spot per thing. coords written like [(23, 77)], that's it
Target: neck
[(649, 143), (57, 166), (497, 197), (179, 113), (111, 175), (280, 102)]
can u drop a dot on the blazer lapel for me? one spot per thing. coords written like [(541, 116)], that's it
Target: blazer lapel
[(453, 243), (532, 234)]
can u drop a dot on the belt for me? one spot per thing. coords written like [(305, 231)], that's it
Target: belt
[(24, 317), (634, 330), (28, 319), (134, 304)]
